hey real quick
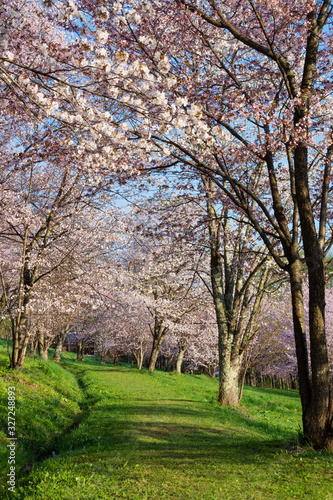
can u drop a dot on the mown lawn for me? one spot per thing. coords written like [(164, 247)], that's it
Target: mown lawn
[(162, 436)]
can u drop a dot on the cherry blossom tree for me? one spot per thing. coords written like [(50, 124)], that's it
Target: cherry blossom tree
[(241, 92), (239, 277), (53, 73), (47, 227), (231, 265), (238, 92), (122, 328), (222, 251), (272, 351), (203, 351), (157, 268)]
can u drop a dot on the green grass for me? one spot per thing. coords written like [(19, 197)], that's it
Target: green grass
[(47, 404), (162, 436)]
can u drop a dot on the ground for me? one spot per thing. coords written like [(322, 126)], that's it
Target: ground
[(98, 432)]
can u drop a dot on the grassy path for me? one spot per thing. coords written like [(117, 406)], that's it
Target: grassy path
[(163, 437), (141, 436)]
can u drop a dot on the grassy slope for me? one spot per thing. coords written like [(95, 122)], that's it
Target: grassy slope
[(47, 404), (163, 437)]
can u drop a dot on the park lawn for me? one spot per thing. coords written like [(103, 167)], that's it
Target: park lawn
[(162, 436)]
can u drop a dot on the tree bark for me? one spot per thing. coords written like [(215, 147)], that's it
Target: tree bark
[(295, 273), (229, 376), (159, 332), (58, 348), (154, 355), (228, 387), (79, 350), (235, 313), (43, 345), (318, 411), (44, 354), (33, 347), (20, 336), (139, 354), (139, 363), (179, 361)]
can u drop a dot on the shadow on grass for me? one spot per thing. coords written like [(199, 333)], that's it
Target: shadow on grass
[(145, 432), (274, 392), (162, 429)]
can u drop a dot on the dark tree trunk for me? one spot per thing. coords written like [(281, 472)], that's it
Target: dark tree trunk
[(154, 355), (318, 407), (158, 333), (20, 336), (33, 347), (79, 350), (295, 272)]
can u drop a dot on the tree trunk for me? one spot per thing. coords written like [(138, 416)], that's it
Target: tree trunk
[(241, 389), (59, 345), (33, 347), (154, 355), (229, 361), (43, 345), (318, 408), (179, 361), (44, 354), (169, 363), (158, 335), (229, 376), (230, 305), (229, 370), (295, 272), (20, 335), (139, 362), (79, 350), (316, 397), (318, 421), (211, 369), (140, 354), (252, 378), (58, 351)]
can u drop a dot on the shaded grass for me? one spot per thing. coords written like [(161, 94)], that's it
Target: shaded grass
[(163, 436)]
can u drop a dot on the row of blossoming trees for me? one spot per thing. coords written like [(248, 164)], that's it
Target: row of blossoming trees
[(229, 100)]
